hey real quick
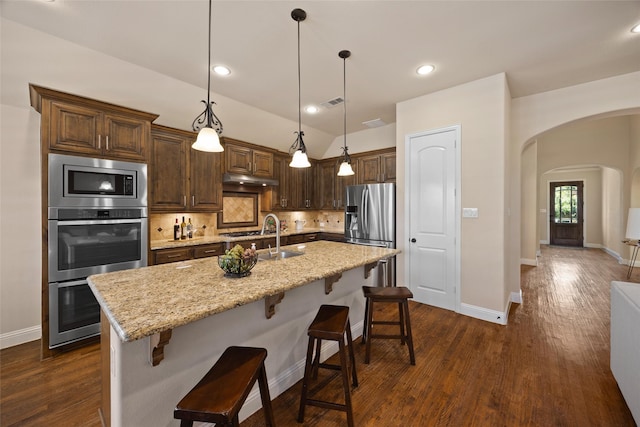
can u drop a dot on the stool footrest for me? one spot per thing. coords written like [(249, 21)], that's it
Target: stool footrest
[(388, 336), (327, 405), (329, 366), (385, 322)]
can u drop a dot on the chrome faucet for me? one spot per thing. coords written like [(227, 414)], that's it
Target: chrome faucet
[(264, 225)]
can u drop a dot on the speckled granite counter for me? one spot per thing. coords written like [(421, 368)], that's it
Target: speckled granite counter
[(166, 244), (146, 301)]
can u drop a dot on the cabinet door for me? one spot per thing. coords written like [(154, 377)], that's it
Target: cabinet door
[(326, 184), (369, 169), (205, 181), (75, 129), (168, 179), (341, 185), (204, 251), (262, 164), (297, 188), (164, 256), (388, 163), (125, 138), (238, 159), (278, 192), (310, 199)]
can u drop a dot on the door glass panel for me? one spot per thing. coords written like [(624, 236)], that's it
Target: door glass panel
[(77, 307), (566, 204)]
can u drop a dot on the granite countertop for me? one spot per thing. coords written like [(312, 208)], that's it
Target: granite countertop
[(167, 244), (150, 300)]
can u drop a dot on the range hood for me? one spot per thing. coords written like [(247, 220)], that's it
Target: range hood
[(236, 178)]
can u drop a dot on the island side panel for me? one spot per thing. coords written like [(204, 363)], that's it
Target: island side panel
[(145, 395)]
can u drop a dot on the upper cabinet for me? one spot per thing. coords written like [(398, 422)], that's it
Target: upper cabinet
[(82, 126), (330, 188), (375, 168), (247, 160), (181, 178)]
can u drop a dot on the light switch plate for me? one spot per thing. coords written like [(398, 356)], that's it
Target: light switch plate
[(470, 212)]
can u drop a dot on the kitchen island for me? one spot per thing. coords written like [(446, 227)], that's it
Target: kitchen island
[(164, 326)]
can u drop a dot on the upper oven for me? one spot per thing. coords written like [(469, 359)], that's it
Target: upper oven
[(89, 182), (83, 242)]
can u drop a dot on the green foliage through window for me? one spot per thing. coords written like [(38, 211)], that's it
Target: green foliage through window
[(566, 204)]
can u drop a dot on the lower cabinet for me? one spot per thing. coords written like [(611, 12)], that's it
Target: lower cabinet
[(296, 239), (164, 256)]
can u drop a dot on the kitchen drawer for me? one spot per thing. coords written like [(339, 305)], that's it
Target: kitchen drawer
[(302, 238), (172, 255), (204, 251)]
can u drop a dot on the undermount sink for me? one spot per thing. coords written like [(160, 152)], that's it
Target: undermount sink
[(279, 255)]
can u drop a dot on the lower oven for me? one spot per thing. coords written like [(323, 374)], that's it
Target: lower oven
[(83, 242), (74, 313)]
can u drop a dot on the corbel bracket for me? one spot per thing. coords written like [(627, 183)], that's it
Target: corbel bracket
[(329, 281), (270, 303), (156, 344)]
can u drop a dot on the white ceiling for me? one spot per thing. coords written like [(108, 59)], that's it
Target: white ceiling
[(540, 45)]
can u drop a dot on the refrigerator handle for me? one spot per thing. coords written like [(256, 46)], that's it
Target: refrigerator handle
[(365, 211)]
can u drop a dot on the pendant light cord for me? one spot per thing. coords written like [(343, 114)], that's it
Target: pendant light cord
[(299, 86), (209, 69), (344, 101)]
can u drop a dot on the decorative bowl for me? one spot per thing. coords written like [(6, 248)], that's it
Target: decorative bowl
[(237, 267)]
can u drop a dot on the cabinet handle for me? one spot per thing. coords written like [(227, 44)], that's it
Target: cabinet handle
[(99, 142), (107, 142), (174, 256), (249, 166), (254, 167), (193, 200), (185, 200), (211, 251)]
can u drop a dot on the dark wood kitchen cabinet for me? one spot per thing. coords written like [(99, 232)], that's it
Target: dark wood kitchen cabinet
[(181, 178), (330, 188), (164, 256), (81, 126), (375, 168), (301, 187), (247, 160)]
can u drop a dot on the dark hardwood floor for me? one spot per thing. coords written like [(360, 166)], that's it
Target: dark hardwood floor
[(548, 367)]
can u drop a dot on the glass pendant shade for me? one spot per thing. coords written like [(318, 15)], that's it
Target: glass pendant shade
[(345, 169), (300, 160), (208, 140)]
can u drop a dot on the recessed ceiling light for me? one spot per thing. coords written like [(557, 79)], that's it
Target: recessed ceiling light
[(221, 70), (311, 109), (636, 29), (425, 69)]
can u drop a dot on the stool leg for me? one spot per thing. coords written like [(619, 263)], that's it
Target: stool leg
[(305, 380), (412, 357), (366, 316), (368, 327), (345, 382), (235, 422), (403, 335), (316, 359), (266, 398), (352, 356)]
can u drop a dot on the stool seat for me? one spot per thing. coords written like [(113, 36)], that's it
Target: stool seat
[(386, 294), (220, 394), (331, 323)]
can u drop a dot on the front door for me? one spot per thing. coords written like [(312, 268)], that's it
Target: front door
[(431, 181), (566, 219)]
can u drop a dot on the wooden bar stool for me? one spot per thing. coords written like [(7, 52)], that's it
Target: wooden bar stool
[(331, 323), (220, 394), (399, 295)]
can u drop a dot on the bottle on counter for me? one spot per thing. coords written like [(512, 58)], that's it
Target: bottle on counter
[(176, 230), (190, 229), (183, 229)]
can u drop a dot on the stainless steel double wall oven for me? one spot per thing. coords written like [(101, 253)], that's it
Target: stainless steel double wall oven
[(97, 223)]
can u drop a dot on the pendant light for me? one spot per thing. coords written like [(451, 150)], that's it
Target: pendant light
[(208, 136), (299, 150), (345, 166)]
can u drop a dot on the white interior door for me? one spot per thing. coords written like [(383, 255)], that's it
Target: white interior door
[(431, 182)]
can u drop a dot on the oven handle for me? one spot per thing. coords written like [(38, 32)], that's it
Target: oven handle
[(99, 221), (70, 283)]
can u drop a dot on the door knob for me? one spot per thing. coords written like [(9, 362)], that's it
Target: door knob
[(413, 240)]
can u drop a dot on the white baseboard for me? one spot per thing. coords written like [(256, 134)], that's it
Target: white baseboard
[(527, 261), (482, 313), (593, 245), (21, 336), (516, 297), (616, 255)]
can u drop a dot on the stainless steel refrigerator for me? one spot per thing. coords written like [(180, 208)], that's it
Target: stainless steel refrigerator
[(370, 219)]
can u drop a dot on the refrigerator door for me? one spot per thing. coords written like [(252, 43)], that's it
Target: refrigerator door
[(379, 213)]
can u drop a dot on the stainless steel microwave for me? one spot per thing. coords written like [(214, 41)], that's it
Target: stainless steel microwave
[(90, 182)]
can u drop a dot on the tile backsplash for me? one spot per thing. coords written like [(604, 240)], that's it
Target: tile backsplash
[(205, 224)]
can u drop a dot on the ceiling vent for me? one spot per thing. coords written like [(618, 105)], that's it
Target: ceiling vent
[(375, 123), (333, 102)]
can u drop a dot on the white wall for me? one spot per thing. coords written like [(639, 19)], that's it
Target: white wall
[(613, 207), (529, 205), (479, 108), (364, 140), (29, 56)]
